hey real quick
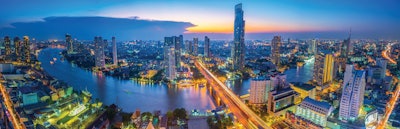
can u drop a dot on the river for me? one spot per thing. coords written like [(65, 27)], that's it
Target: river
[(130, 95)]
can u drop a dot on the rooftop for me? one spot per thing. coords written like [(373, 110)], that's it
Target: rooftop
[(324, 105)]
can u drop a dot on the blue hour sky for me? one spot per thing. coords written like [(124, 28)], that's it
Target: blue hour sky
[(206, 16)]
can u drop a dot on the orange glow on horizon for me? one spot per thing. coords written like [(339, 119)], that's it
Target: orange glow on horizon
[(248, 29)]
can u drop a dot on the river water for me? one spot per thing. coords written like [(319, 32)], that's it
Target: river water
[(130, 95)]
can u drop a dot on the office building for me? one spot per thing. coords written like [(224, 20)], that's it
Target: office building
[(238, 49), (172, 56), (195, 46), (298, 122), (114, 51), (7, 46), (346, 47), (69, 42), (207, 52), (99, 52), (276, 43), (281, 97), (381, 62), (312, 46), (259, 88), (17, 47), (315, 111), (27, 50), (352, 93), (323, 69)]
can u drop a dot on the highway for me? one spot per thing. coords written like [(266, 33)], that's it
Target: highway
[(395, 94), (16, 122), (244, 114), (386, 56)]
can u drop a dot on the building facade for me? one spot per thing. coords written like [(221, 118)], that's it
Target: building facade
[(259, 88), (352, 93), (207, 52), (323, 69), (69, 43), (114, 51), (276, 43), (238, 49), (99, 52), (195, 46), (315, 111)]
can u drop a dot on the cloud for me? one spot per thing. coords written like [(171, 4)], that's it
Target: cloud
[(87, 27)]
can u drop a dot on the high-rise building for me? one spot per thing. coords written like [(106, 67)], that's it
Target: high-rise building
[(323, 69), (190, 47), (172, 56), (69, 41), (315, 111), (312, 46), (114, 51), (381, 62), (27, 50), (99, 52), (276, 43), (352, 93), (195, 46), (7, 45), (207, 52), (346, 47), (259, 88), (238, 50), (281, 96), (17, 46)]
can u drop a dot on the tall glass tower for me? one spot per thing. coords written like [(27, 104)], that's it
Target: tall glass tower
[(238, 48)]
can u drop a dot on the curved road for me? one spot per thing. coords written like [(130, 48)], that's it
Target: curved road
[(244, 115)]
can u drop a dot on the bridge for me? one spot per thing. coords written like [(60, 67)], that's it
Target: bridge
[(243, 114)]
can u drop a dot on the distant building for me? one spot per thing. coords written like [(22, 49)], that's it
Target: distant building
[(352, 94), (259, 88), (323, 69), (276, 43), (172, 56), (27, 50), (17, 47), (114, 51), (315, 111), (312, 46), (195, 46), (69, 42), (381, 62), (238, 49), (7, 45), (99, 52), (207, 52)]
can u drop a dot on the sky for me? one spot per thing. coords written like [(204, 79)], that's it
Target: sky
[(215, 17)]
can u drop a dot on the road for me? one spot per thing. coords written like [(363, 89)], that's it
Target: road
[(386, 56), (16, 122), (390, 105), (395, 94), (244, 114)]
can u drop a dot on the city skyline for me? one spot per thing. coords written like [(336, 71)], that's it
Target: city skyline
[(306, 19)]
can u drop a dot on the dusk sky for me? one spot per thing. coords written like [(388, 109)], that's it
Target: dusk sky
[(371, 17)]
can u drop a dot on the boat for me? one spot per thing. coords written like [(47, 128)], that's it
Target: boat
[(51, 62), (87, 93), (127, 91), (55, 59)]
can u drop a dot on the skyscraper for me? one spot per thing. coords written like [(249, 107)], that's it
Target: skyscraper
[(69, 42), (238, 50), (259, 88), (7, 45), (17, 46), (323, 69), (276, 43), (114, 51), (352, 93), (99, 52), (172, 56), (27, 50), (346, 47), (207, 47), (312, 46), (381, 62), (195, 46)]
